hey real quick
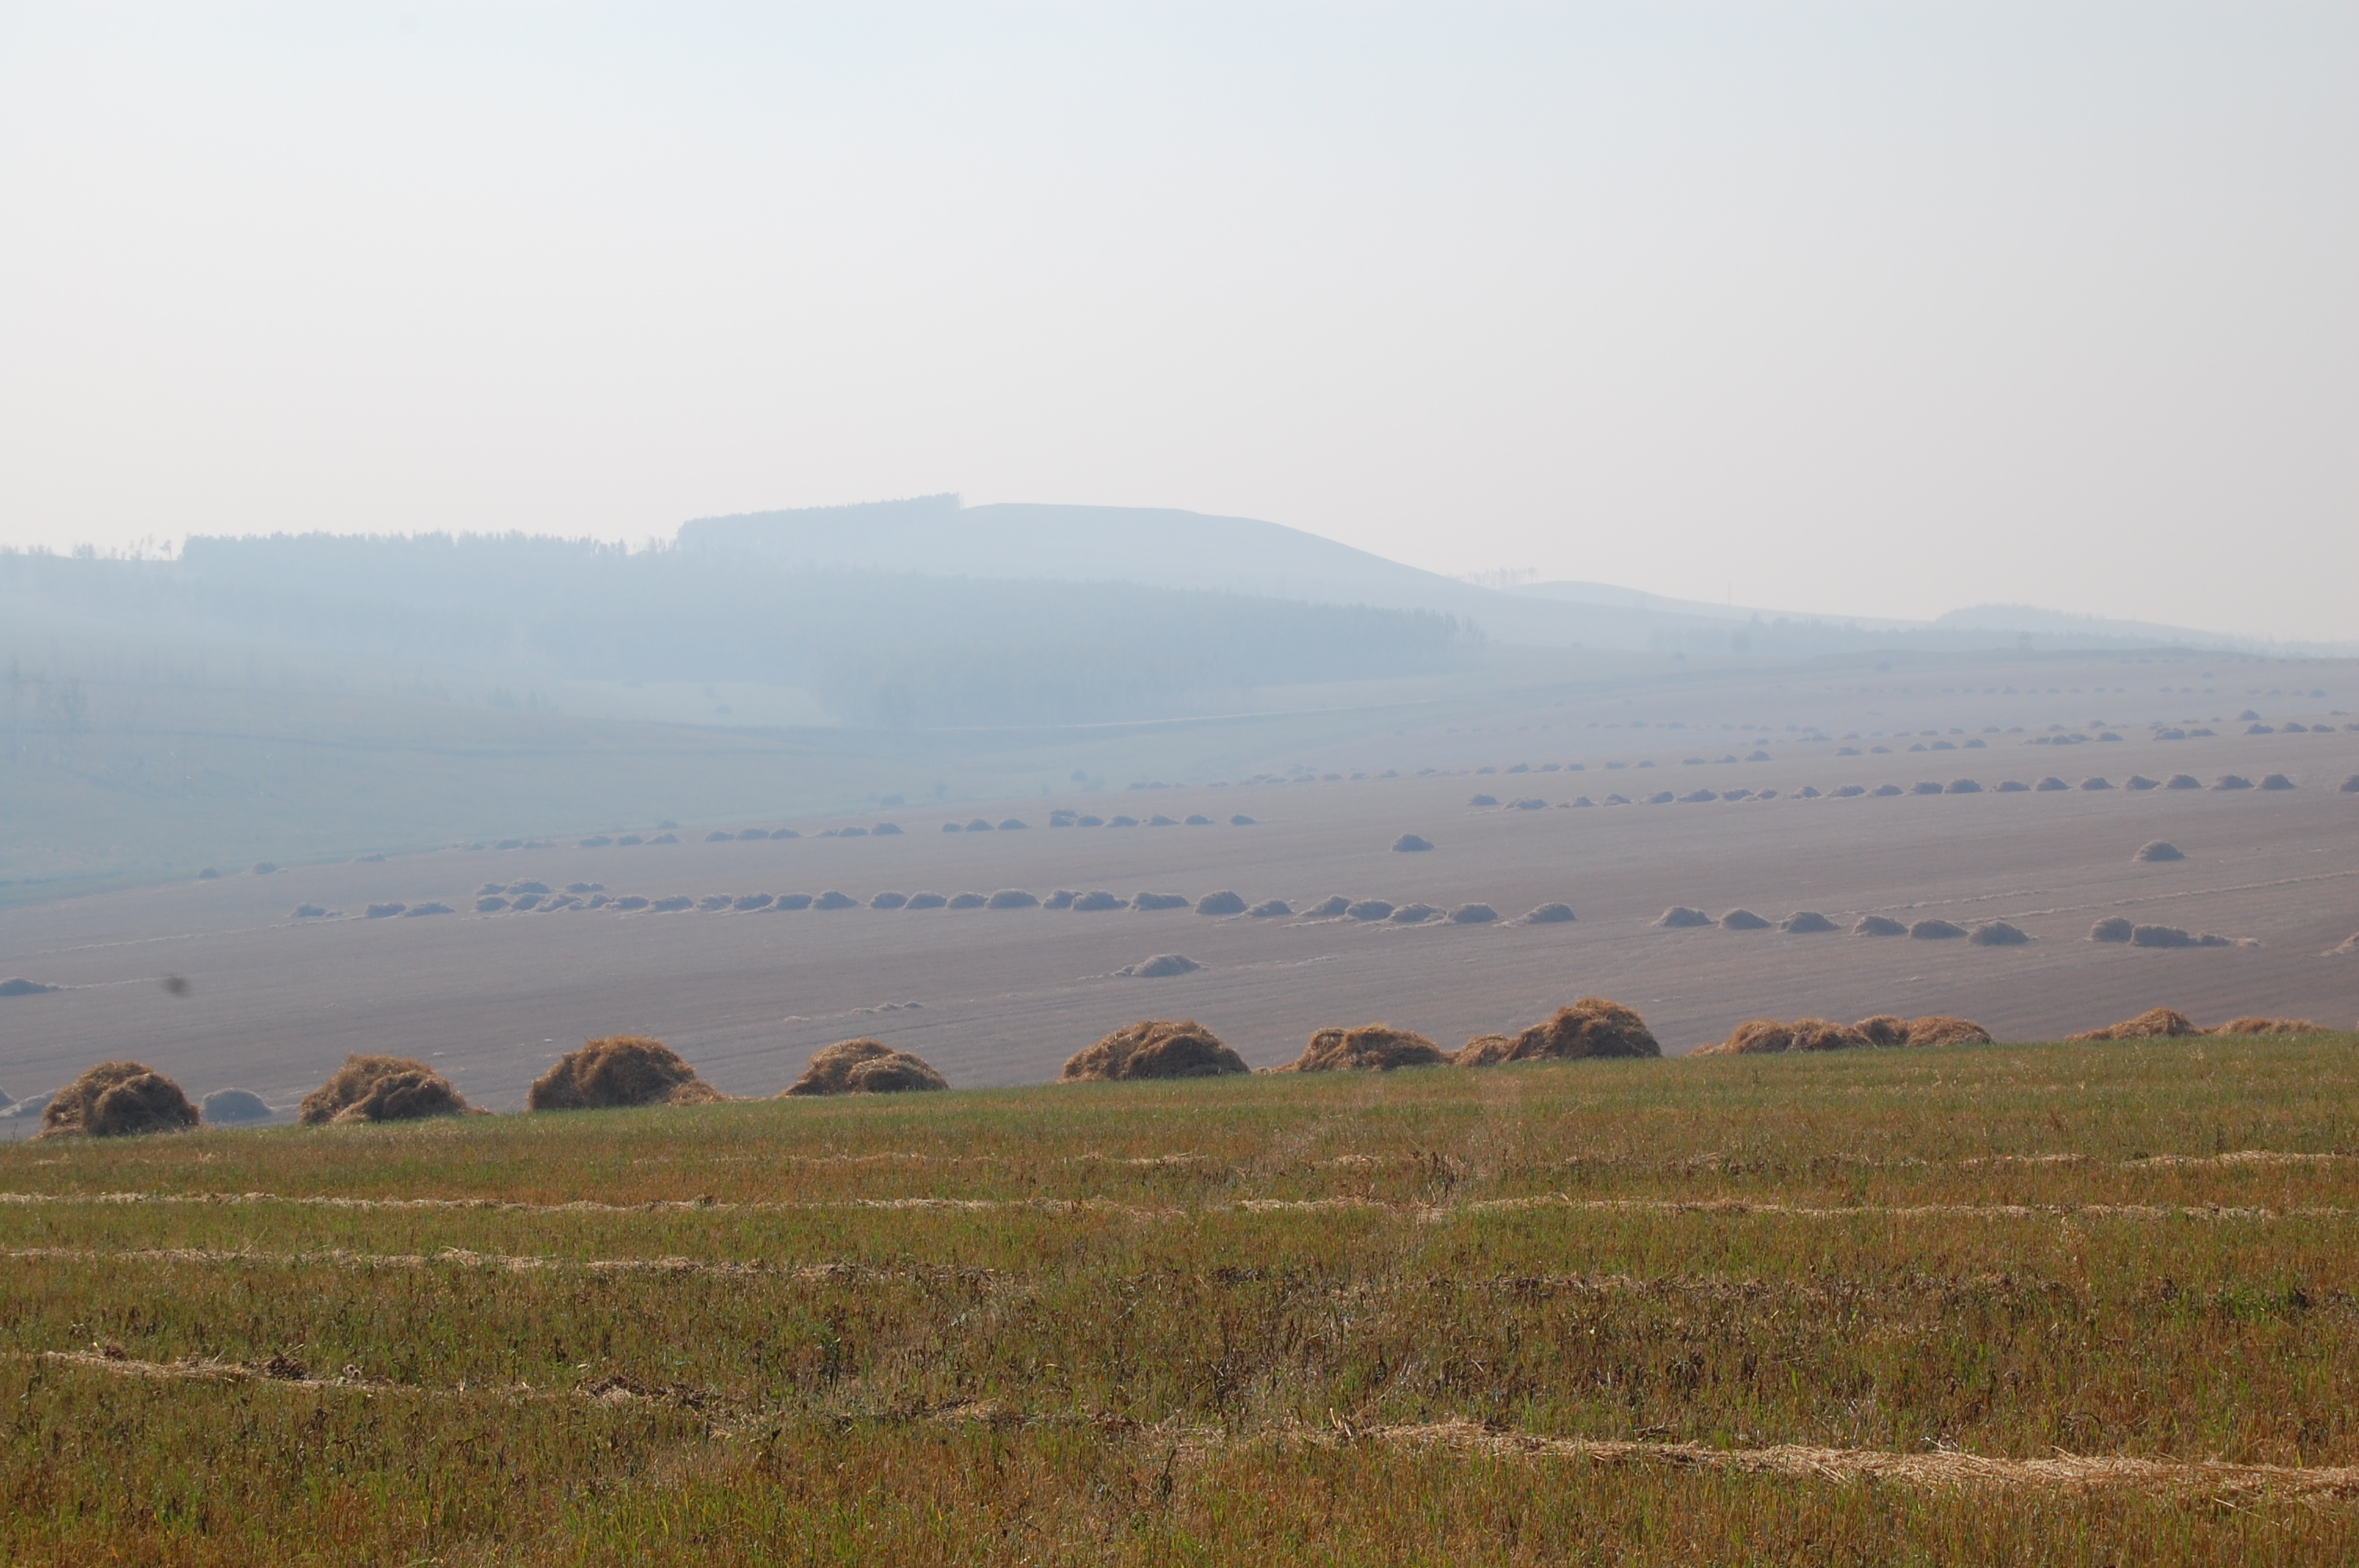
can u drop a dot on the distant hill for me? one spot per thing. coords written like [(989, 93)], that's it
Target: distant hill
[(1162, 547)]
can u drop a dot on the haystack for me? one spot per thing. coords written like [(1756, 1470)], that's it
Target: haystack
[(1742, 920), (621, 1070), (1549, 914), (2266, 1026), (1415, 913), (1089, 902), (2051, 783), (24, 988), (1998, 933), (1372, 1047), (232, 1105), (919, 901), (1013, 898), (117, 1099), (1485, 1051), (381, 1089), (2158, 849), (1223, 903), (1936, 930), (1474, 915), (1154, 1048), (889, 901), (2350, 785), (2277, 781), (1936, 1029), (1592, 1027), (1152, 901), (833, 900), (1878, 925), (1410, 843), (2157, 1024), (1764, 1035), (1884, 1030), (1269, 907), (1160, 967), (863, 1068), (2233, 781), (1679, 917), (1371, 909), (1802, 922), (2161, 936), (2113, 928)]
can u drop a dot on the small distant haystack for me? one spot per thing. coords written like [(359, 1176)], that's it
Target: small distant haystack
[(1410, 843), (889, 901), (1679, 917), (2233, 781), (1936, 930), (833, 900), (968, 901), (2277, 781), (1549, 914), (1878, 925), (1742, 920), (1158, 901), (1372, 1047), (1415, 913), (2157, 1024), (1221, 903), (1485, 1051), (2266, 1026), (231, 1106), (1013, 898), (2183, 780), (917, 900), (2350, 785), (2158, 849), (381, 1089), (621, 1070), (24, 988), (1803, 921), (1998, 933), (2161, 936), (1474, 915), (1270, 907), (1884, 1030), (1592, 1027), (1966, 786), (1765, 1035), (1333, 907), (2096, 783), (1935, 1029), (1089, 902), (1371, 909), (1160, 967), (117, 1099), (2051, 783), (2113, 928), (863, 1068), (1154, 1048)]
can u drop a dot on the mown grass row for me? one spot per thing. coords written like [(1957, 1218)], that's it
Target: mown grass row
[(1124, 1356)]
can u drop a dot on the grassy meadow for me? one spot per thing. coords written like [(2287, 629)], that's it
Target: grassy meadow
[(2044, 1304)]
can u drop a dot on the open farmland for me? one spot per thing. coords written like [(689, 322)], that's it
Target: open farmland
[(273, 1001), (2061, 1303)]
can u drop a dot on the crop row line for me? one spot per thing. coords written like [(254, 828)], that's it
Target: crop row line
[(1430, 1213), (1935, 1469)]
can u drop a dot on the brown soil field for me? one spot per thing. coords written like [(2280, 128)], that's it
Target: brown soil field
[(273, 1003)]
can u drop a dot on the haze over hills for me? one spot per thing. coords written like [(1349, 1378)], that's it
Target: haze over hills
[(935, 534)]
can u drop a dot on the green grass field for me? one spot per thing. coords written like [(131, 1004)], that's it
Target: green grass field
[(2048, 1303)]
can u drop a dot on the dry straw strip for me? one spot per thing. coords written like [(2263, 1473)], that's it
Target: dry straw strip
[(1429, 1213), (1939, 1469)]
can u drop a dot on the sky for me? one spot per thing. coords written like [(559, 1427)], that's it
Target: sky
[(1868, 308)]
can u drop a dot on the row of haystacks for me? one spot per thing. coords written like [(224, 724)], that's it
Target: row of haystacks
[(1765, 1035), (1807, 921), (1160, 1048), (125, 1099), (2169, 1023)]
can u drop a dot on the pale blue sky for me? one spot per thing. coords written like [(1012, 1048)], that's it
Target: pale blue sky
[(1878, 308)]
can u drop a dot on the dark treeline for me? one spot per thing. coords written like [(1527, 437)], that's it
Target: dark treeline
[(888, 648)]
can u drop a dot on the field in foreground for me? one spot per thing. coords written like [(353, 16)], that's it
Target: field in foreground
[(2032, 1304)]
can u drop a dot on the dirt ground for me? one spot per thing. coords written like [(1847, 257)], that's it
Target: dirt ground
[(272, 1003)]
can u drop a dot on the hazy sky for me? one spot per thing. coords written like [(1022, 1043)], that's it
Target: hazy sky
[(1880, 309)]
